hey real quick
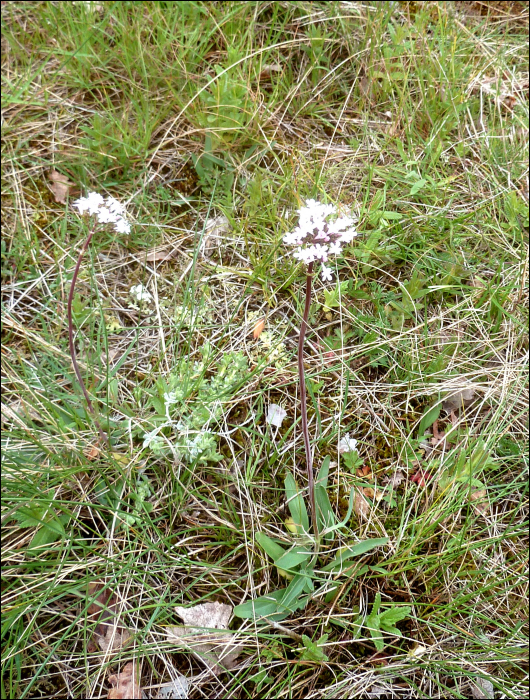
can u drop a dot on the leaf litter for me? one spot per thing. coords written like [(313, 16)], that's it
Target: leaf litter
[(216, 649), (60, 186), (108, 635), (125, 684)]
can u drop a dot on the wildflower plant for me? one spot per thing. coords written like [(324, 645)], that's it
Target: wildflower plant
[(320, 235), (104, 211)]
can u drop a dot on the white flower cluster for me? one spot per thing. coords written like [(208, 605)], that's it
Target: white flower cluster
[(316, 237), (107, 211), (347, 444), (140, 294)]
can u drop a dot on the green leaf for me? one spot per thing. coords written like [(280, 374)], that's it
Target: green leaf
[(296, 503), (348, 514), (291, 600), (376, 605), (391, 215), (276, 605), (428, 419), (332, 297), (325, 514), (323, 473), (50, 532), (417, 186), (389, 617), (31, 516), (294, 557), (377, 637), (354, 551), (468, 480), (275, 551), (312, 651), (308, 574), (260, 607), (372, 623)]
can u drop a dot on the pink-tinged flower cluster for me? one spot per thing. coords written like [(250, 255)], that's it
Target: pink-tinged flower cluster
[(107, 211), (317, 236)]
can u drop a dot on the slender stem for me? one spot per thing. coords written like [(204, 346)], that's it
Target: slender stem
[(73, 354), (303, 401)]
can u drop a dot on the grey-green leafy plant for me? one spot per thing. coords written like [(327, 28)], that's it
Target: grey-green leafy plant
[(129, 514), (299, 561), (380, 621), (187, 405)]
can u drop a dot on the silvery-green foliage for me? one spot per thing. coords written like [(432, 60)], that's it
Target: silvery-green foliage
[(187, 405)]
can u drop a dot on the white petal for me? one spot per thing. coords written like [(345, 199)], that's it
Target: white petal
[(275, 415)]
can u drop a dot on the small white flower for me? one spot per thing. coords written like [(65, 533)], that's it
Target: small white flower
[(347, 444), (275, 415), (326, 274), (90, 203), (317, 237), (140, 294), (107, 211), (122, 226)]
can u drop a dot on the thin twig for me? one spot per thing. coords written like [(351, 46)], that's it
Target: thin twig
[(73, 354)]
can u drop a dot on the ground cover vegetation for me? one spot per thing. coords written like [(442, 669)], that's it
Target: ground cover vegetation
[(174, 556)]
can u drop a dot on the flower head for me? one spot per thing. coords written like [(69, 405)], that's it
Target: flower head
[(347, 444), (107, 211), (317, 236), (140, 294)]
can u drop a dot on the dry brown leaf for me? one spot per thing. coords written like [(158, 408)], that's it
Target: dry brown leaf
[(258, 328), (375, 494), (396, 478), (125, 684), (361, 506), (91, 452), (268, 69), (60, 186), (216, 649), (160, 255), (19, 408), (109, 635), (457, 399), (364, 472), (479, 501), (437, 436)]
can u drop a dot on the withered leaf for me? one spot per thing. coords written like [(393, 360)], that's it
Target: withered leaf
[(91, 452), (216, 649), (479, 501), (161, 254), (396, 478), (361, 506), (258, 328), (109, 635), (458, 398), (421, 477), (126, 684), (60, 186)]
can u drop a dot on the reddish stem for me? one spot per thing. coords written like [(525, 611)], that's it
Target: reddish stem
[(303, 400), (73, 354)]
